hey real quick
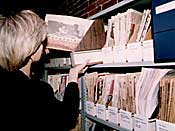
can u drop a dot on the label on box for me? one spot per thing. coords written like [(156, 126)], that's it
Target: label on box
[(165, 7), (148, 51), (101, 111), (126, 119), (134, 52), (107, 53), (140, 123), (113, 114), (94, 56), (90, 108), (151, 125), (164, 126), (119, 54)]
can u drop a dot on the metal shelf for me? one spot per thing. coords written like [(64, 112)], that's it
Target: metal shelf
[(57, 68), (134, 64), (125, 4), (120, 4), (109, 124)]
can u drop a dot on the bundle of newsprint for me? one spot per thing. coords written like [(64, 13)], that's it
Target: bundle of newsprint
[(82, 37)]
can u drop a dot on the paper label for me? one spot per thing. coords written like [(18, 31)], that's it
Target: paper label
[(148, 51), (134, 52), (164, 126), (101, 111), (107, 53), (113, 114), (126, 119), (90, 109), (140, 124), (165, 7)]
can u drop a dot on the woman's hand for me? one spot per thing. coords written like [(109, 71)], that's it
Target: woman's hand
[(73, 73)]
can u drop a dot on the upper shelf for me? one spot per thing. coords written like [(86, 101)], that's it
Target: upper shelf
[(135, 64), (122, 6)]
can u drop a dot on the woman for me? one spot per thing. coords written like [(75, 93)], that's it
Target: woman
[(21, 43)]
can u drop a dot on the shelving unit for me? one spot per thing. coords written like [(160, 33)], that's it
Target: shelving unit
[(83, 107), (106, 14)]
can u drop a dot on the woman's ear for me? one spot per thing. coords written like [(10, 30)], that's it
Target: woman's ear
[(37, 55), (46, 51), (32, 57)]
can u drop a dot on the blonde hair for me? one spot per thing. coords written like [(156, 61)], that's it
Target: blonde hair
[(20, 36)]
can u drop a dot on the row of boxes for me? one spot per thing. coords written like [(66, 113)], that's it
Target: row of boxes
[(133, 52), (127, 119)]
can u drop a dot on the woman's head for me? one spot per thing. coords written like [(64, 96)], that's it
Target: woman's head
[(20, 37)]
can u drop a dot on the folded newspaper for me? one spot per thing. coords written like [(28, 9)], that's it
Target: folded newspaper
[(66, 32)]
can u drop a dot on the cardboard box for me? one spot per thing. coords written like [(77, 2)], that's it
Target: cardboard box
[(140, 123), (94, 57), (120, 54), (148, 51), (107, 55), (126, 119), (134, 52), (113, 115), (164, 126), (101, 111), (90, 108)]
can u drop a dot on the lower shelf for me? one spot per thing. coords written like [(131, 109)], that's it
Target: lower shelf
[(109, 124)]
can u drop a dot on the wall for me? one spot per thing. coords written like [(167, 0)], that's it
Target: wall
[(86, 8)]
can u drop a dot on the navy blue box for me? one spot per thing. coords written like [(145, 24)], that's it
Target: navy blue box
[(163, 14)]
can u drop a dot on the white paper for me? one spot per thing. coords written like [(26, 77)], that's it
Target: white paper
[(147, 90)]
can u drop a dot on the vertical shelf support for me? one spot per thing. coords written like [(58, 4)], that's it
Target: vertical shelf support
[(45, 76), (83, 104)]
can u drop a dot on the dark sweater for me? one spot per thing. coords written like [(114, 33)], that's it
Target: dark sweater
[(28, 98)]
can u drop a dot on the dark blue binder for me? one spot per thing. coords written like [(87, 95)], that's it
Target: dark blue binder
[(163, 14)]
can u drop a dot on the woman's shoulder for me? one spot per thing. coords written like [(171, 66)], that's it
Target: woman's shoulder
[(42, 85)]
